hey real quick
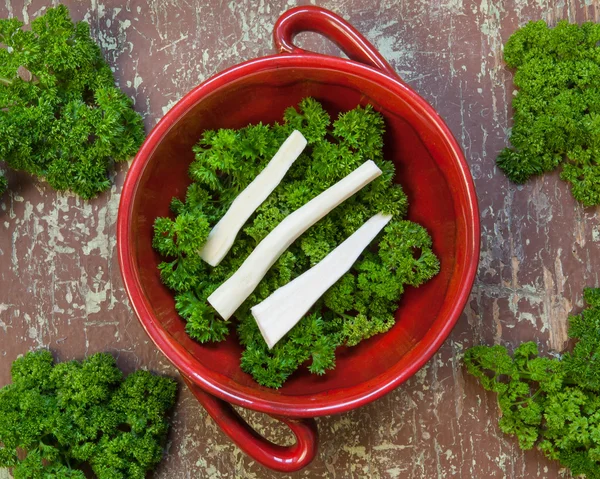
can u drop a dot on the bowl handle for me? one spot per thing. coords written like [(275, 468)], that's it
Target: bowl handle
[(279, 458), (316, 19)]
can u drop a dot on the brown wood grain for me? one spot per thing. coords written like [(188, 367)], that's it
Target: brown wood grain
[(60, 286)]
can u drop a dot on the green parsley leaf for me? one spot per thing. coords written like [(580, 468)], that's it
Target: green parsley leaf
[(64, 416), (557, 107), (358, 306), (61, 116), (550, 403)]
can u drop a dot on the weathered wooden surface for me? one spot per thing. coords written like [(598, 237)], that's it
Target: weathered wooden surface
[(60, 285)]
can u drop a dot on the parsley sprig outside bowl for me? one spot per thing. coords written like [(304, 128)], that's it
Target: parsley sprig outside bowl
[(423, 157)]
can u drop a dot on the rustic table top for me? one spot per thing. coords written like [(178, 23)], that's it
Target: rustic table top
[(60, 286)]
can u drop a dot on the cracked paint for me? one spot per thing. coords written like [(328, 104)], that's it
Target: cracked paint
[(60, 285)]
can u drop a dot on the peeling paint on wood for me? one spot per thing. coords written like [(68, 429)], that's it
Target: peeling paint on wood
[(60, 285)]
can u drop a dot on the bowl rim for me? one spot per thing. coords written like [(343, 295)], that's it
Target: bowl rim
[(317, 404)]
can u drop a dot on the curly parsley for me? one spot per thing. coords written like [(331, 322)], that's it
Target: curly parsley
[(358, 306), (58, 419), (557, 107), (61, 116), (550, 403)]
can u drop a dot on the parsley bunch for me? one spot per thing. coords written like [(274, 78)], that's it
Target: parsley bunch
[(551, 403), (361, 304), (61, 116), (557, 108), (54, 419)]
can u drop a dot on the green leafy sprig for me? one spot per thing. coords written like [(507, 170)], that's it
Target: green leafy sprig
[(358, 306), (550, 403), (557, 107), (54, 419), (61, 116)]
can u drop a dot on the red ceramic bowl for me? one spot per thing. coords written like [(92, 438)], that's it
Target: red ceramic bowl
[(430, 166)]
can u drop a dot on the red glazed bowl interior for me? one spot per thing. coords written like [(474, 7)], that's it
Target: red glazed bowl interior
[(429, 166)]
